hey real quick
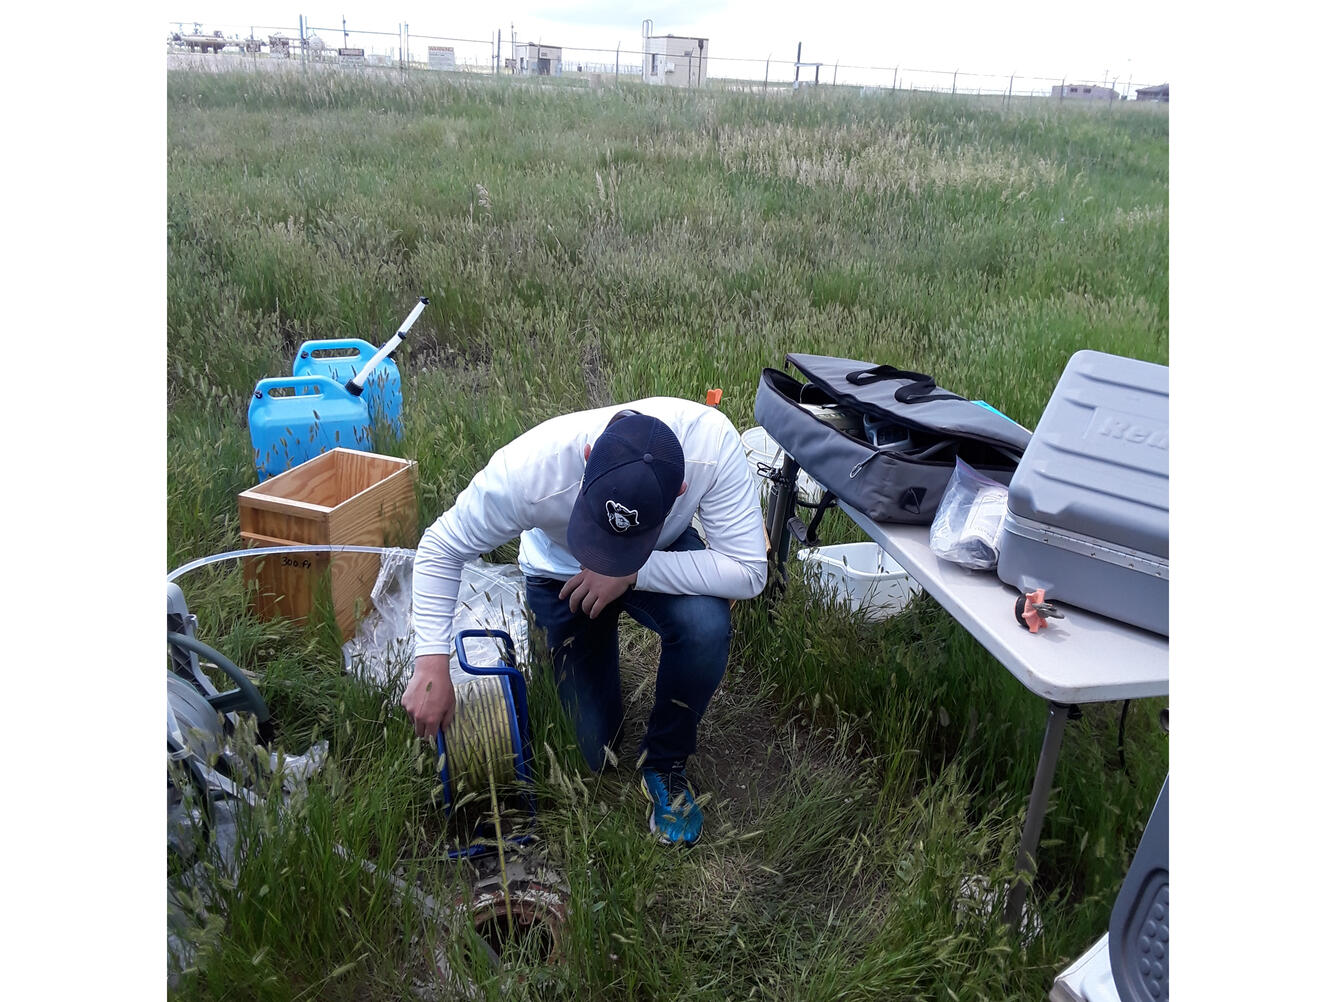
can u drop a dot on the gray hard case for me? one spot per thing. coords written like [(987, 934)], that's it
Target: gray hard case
[(1139, 925), (1088, 507)]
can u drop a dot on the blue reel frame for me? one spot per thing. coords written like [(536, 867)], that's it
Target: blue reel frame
[(519, 731)]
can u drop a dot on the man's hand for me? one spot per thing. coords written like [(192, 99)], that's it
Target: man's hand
[(429, 698), (593, 593)]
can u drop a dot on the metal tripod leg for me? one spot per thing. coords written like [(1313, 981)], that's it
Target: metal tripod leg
[(782, 503), (1034, 814)]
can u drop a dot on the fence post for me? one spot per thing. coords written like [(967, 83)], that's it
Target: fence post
[(1062, 90), (835, 74), (617, 62), (1009, 83), (797, 62), (766, 86), (953, 82), (895, 78)]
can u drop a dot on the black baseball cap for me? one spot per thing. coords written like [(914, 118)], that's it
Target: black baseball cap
[(631, 479)]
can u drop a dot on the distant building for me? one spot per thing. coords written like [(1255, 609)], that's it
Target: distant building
[(1081, 92), (537, 60), (676, 60), (1160, 92)]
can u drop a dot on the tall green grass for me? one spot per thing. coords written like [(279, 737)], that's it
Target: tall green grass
[(587, 246)]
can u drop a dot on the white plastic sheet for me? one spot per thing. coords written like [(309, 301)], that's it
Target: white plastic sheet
[(491, 597)]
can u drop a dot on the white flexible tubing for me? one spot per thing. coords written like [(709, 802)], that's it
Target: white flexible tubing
[(261, 551), (360, 379)]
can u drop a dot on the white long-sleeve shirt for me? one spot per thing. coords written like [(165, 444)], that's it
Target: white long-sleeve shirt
[(529, 487)]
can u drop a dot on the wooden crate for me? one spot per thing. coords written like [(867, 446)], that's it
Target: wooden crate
[(339, 497)]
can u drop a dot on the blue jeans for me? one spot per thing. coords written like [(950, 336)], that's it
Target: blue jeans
[(695, 630)]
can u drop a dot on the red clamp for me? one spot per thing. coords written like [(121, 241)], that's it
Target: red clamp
[(1033, 612)]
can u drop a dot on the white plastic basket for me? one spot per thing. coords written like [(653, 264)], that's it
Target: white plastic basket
[(863, 575), (761, 448)]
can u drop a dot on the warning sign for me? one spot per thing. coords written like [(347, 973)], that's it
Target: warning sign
[(441, 57), (352, 57)]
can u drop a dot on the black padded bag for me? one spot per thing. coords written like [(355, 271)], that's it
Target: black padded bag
[(890, 484)]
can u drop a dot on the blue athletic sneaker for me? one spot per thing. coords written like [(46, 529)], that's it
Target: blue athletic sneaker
[(673, 814)]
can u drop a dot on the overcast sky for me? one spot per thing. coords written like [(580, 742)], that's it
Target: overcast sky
[(1036, 38)]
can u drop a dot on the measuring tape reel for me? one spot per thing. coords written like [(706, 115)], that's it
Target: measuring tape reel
[(487, 745)]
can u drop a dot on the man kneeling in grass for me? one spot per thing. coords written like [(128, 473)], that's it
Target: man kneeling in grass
[(602, 501)]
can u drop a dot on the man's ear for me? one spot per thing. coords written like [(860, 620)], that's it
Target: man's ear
[(588, 449), (683, 490)]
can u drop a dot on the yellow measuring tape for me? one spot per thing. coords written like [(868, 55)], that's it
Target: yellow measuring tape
[(479, 744)]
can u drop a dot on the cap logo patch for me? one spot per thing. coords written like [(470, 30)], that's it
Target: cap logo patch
[(622, 518)]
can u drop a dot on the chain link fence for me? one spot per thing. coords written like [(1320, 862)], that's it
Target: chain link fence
[(405, 49)]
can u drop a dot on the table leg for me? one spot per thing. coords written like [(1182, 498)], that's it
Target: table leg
[(1034, 814)]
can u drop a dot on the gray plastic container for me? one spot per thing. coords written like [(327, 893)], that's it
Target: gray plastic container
[(1088, 507), (1139, 925)]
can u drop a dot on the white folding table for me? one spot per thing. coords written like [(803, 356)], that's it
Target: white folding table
[(1083, 658)]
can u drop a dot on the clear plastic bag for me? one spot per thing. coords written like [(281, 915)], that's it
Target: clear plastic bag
[(382, 648), (968, 524), (491, 597)]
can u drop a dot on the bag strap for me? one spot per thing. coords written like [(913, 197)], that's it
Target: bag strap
[(921, 387)]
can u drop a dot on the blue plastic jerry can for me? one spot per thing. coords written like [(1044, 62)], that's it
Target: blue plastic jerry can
[(343, 358), (296, 418)]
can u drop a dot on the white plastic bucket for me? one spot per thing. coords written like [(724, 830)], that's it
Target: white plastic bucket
[(761, 448), (863, 575)]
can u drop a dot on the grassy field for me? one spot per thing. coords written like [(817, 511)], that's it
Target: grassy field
[(581, 247)]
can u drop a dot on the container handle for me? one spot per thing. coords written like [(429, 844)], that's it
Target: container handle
[(339, 348), (323, 385)]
